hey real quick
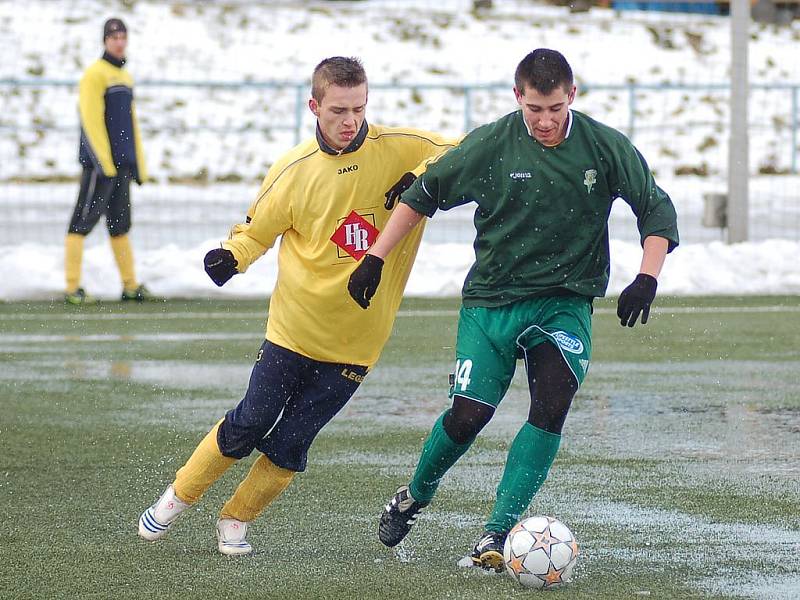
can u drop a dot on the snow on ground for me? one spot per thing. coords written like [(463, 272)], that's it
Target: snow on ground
[(738, 539), (32, 271), (187, 215), (171, 235), (220, 140), (200, 132)]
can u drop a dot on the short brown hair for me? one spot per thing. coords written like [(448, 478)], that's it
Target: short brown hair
[(544, 70), (337, 70)]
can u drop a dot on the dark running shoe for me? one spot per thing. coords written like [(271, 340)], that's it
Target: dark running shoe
[(79, 298), (140, 294), (398, 517), (488, 552)]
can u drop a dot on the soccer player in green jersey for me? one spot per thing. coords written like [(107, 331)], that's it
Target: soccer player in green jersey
[(544, 178)]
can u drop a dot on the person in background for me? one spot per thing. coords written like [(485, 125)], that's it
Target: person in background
[(111, 155)]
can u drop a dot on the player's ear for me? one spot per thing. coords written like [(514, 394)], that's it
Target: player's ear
[(518, 95), (571, 95), (313, 106)]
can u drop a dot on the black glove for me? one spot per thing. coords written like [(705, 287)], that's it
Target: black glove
[(365, 279), (220, 265), (635, 299), (393, 195)]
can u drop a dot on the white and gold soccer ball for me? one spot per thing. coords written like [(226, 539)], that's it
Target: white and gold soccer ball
[(540, 552)]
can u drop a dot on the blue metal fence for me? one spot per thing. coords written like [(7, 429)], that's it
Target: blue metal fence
[(631, 91), (194, 140)]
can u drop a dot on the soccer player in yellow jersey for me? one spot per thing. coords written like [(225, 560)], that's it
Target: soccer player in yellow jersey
[(328, 200)]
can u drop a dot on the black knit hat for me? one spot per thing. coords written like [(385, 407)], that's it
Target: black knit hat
[(113, 26)]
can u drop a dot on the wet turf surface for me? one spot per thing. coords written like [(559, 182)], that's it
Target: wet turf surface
[(679, 470)]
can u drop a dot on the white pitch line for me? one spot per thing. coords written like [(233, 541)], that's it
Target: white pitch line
[(135, 337), (132, 316), (676, 310)]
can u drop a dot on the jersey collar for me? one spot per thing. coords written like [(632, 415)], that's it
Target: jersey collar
[(114, 61), (569, 125), (566, 135), (351, 147)]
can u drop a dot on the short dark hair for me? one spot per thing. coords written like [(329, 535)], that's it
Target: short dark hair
[(337, 70), (544, 70), (113, 26)]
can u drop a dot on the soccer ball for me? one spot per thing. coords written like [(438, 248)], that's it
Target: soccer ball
[(540, 552)]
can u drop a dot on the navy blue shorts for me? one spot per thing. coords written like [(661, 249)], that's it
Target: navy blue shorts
[(100, 195), (289, 399)]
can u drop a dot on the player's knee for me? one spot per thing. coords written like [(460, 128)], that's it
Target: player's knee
[(290, 457), (117, 228), (549, 414), (80, 229), (465, 420), (238, 440), (288, 443), (548, 423)]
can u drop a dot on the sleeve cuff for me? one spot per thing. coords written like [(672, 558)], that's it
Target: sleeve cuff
[(670, 236), (424, 208)]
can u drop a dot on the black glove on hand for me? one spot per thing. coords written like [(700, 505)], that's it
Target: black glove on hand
[(393, 195), (220, 265), (635, 299), (365, 279)]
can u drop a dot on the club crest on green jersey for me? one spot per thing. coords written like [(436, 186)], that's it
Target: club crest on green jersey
[(589, 179)]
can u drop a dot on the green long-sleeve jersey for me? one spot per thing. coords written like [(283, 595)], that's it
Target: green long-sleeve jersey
[(542, 212)]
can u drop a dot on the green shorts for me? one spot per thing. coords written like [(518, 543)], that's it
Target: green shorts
[(491, 340)]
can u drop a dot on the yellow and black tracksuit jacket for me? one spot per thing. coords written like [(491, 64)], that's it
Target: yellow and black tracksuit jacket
[(110, 137), (328, 207)]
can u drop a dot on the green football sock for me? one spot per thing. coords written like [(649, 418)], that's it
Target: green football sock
[(529, 460), (439, 453)]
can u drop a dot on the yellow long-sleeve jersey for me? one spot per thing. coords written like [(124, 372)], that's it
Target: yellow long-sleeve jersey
[(110, 136), (329, 208)]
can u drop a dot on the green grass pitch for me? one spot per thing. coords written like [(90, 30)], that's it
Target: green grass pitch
[(679, 470)]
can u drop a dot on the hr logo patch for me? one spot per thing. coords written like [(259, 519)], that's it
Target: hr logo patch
[(355, 235)]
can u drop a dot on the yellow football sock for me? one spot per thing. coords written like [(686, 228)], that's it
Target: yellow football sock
[(263, 484), (73, 256), (204, 467), (123, 253)]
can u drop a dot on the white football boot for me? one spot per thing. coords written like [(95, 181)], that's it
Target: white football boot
[(156, 520), (230, 537)]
